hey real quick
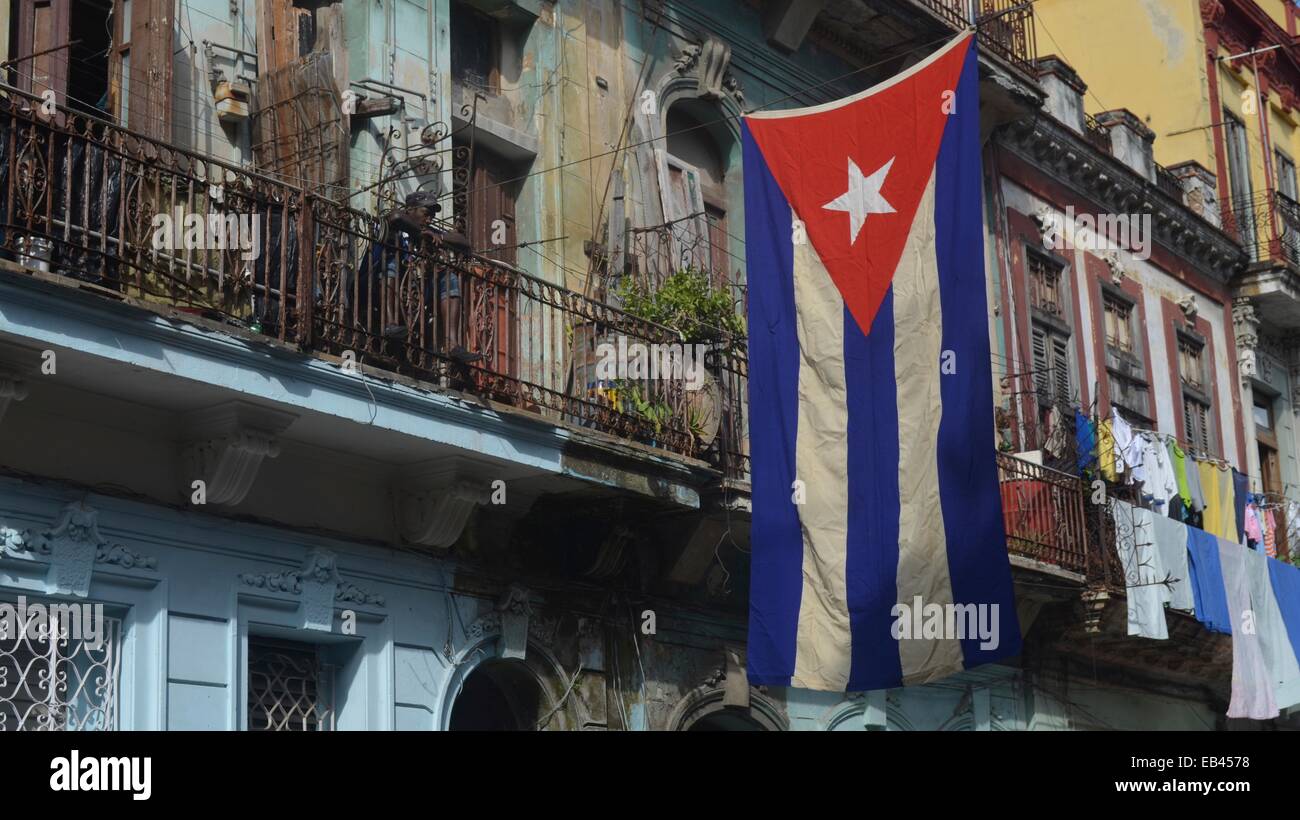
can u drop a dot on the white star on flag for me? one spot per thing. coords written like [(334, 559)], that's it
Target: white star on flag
[(862, 198)]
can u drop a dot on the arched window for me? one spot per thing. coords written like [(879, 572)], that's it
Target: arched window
[(694, 189)]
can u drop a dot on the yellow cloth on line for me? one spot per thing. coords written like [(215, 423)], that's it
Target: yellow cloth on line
[(1106, 451)]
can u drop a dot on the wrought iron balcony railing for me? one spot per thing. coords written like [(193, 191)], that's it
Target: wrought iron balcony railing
[(85, 199), (1043, 512), (1267, 225), (1005, 27)]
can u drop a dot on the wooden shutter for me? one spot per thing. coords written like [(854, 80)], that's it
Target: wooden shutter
[(1061, 369), (41, 25), (149, 87), (1042, 370)]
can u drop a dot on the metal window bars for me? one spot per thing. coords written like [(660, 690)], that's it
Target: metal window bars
[(60, 679)]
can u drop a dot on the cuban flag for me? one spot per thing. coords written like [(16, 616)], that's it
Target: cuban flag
[(877, 519)]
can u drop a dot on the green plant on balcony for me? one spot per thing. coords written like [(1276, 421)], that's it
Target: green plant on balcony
[(686, 303)]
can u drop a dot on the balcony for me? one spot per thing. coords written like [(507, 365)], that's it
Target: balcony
[(84, 201), (1267, 226), (1043, 512), (1006, 27)]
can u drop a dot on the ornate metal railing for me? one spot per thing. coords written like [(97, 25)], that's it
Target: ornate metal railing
[(402, 292), (1043, 510), (1267, 225), (1005, 27)]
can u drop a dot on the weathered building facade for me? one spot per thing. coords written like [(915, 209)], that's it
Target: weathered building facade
[(360, 470)]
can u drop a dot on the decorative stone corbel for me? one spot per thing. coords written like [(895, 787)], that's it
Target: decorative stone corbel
[(709, 62), (226, 446), (1117, 271), (318, 584), (12, 389), (434, 502), (515, 610), (72, 546), (1189, 307), (1245, 329)]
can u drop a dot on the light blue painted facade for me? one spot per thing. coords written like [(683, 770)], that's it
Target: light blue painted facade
[(316, 553)]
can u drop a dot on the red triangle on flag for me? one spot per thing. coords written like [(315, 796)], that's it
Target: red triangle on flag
[(855, 170)]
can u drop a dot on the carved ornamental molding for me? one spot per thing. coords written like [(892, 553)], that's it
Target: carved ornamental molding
[(709, 63), (226, 446), (318, 584), (435, 500), (1068, 158), (73, 546)]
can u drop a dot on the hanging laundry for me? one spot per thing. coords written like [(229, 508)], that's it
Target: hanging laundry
[(1292, 526), (1085, 437), (1240, 489), (1106, 451), (1212, 515), (1171, 544), (1157, 471), (1057, 437), (1178, 457), (1270, 534), (1227, 505), (1254, 532), (1144, 572), (1285, 580), (1128, 447), (1210, 603), (1252, 689), (1194, 490), (1270, 626)]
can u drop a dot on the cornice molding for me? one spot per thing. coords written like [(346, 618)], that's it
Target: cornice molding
[(1069, 159)]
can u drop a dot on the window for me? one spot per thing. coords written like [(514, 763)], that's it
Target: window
[(65, 684), (1044, 284), (1129, 390), (1051, 355), (475, 49), (141, 68), (1239, 184), (1284, 170), (290, 688), (1270, 468), (1191, 369), (1198, 423), (1119, 323), (694, 195)]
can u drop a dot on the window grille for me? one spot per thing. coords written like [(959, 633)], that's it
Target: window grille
[(64, 682), (290, 689)]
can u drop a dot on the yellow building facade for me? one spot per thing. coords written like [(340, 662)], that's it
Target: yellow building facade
[(1218, 82)]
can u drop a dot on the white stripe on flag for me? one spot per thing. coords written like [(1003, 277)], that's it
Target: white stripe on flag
[(922, 541), (822, 648)]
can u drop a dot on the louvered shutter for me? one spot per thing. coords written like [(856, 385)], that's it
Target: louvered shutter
[(1061, 369), (1042, 368)]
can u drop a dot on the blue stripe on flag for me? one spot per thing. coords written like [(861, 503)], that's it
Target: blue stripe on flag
[(968, 481), (776, 540), (871, 565)]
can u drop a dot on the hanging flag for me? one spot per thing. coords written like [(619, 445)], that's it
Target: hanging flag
[(879, 556)]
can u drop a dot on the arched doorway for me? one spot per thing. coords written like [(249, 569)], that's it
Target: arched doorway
[(498, 696), (727, 720)]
